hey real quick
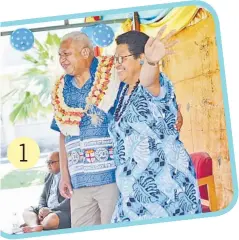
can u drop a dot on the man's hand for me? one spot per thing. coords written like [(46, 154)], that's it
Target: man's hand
[(65, 182), (179, 122), (43, 212), (65, 186), (157, 48)]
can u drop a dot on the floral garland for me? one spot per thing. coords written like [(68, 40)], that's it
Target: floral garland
[(72, 116)]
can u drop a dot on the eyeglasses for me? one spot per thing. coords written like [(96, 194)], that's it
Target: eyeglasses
[(50, 162), (120, 59)]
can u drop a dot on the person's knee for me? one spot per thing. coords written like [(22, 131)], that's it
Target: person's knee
[(27, 211), (51, 221)]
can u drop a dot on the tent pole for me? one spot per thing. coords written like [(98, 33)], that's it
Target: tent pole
[(136, 22)]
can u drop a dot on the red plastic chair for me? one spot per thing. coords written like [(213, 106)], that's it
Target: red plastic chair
[(203, 167)]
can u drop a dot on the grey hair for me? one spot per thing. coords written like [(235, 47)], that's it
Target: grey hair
[(79, 37)]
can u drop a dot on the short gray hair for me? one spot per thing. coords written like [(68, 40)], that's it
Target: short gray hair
[(79, 37)]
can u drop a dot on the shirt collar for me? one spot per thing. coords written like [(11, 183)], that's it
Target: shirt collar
[(93, 67)]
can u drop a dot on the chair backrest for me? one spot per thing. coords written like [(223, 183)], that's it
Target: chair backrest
[(203, 166)]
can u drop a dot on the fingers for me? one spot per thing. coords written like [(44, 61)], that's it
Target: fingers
[(178, 125), (66, 191), (65, 187), (149, 42), (169, 52), (160, 32), (179, 114), (168, 36), (69, 188), (40, 212), (171, 44), (43, 213), (46, 212), (165, 40), (40, 217), (179, 121)]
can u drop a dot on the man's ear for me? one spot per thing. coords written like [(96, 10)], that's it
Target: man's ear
[(142, 56), (141, 59), (85, 52)]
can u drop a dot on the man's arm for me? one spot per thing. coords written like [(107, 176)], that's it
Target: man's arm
[(179, 122), (63, 156), (42, 201), (65, 183), (155, 50), (149, 78)]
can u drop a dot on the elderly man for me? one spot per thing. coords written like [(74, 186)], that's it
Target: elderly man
[(87, 163), (53, 211), (86, 150)]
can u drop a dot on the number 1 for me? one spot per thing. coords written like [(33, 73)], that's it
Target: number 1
[(23, 153)]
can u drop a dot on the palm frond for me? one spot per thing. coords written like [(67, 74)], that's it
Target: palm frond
[(30, 58), (32, 89), (9, 95), (28, 107)]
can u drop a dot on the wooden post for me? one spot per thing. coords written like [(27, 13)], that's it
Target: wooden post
[(136, 23)]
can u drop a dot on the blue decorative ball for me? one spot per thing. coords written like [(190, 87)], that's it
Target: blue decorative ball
[(89, 32), (22, 39), (103, 35)]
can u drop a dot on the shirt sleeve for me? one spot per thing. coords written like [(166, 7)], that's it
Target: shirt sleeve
[(54, 126), (167, 93), (166, 97)]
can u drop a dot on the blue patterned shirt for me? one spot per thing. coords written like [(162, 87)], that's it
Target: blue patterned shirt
[(155, 174), (90, 155)]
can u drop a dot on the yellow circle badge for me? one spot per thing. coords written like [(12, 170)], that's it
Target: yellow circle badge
[(23, 153)]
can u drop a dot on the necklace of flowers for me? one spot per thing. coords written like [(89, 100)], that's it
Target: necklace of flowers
[(118, 111), (72, 116)]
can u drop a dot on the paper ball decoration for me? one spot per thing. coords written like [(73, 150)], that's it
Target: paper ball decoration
[(89, 32), (22, 39), (103, 35)]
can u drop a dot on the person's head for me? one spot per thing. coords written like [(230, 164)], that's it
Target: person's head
[(53, 163), (76, 53), (129, 55)]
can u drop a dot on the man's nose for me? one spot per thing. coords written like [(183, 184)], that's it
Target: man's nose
[(62, 59), (116, 64)]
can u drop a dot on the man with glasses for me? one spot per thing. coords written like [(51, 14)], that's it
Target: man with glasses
[(81, 115), (53, 211)]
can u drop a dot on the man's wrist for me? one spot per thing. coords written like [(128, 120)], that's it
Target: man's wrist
[(154, 64), (65, 173)]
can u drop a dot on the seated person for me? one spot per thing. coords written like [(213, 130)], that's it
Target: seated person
[(53, 211)]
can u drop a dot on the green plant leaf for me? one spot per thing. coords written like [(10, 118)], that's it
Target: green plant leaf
[(34, 80), (9, 95), (53, 39), (33, 72), (39, 46), (30, 58)]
